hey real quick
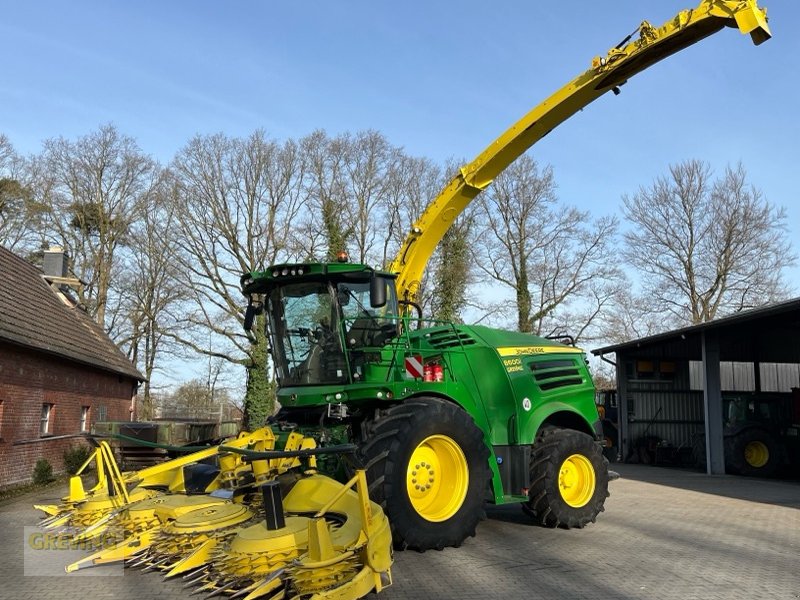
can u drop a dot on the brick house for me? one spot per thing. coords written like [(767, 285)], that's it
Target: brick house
[(59, 371)]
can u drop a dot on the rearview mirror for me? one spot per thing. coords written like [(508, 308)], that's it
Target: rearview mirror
[(377, 292), (253, 309), (343, 296)]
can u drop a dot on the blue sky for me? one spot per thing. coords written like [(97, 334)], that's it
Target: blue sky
[(440, 79)]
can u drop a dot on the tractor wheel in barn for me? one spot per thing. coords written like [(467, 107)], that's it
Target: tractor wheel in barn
[(753, 452), (428, 467), (569, 479)]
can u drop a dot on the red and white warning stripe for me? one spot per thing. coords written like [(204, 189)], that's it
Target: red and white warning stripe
[(414, 366)]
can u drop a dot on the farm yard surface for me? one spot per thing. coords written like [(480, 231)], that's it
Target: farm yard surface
[(665, 534)]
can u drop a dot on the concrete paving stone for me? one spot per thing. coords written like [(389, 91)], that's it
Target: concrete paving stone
[(666, 534)]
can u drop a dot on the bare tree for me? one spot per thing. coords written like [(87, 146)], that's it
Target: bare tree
[(326, 189), (351, 183), (94, 189), (20, 214), (593, 312), (706, 248), (238, 203), (196, 400), (552, 258), (630, 316), (370, 162), (153, 293), (7, 153), (412, 184)]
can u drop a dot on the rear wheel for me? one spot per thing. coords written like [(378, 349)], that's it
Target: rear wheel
[(753, 452), (427, 466), (569, 479)]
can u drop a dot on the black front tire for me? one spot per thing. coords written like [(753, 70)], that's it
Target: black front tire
[(547, 506), (390, 439)]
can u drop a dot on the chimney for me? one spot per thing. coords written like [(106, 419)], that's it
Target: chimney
[(55, 262), (54, 267)]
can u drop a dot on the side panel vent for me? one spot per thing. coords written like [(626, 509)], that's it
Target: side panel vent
[(554, 374), (449, 338), (551, 385)]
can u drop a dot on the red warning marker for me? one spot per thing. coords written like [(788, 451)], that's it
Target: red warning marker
[(414, 366)]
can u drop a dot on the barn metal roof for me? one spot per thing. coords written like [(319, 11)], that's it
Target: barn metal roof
[(32, 315), (745, 317)]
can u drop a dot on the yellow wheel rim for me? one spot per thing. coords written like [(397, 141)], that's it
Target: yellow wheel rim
[(576, 480), (756, 454), (437, 478)]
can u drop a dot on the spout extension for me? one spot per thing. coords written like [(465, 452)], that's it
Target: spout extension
[(749, 17), (753, 20)]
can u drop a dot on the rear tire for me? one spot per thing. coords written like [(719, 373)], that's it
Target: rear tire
[(427, 466), (569, 479), (753, 452)]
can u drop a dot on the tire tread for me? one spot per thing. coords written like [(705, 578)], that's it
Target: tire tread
[(546, 505)]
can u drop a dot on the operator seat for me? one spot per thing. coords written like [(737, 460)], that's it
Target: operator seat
[(362, 331), (313, 371)]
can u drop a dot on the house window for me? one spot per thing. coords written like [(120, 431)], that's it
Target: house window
[(84, 418), (101, 413), (44, 423)]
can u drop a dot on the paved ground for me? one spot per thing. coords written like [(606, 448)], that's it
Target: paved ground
[(665, 534)]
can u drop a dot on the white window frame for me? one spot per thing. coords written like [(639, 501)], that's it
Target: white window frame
[(45, 420), (85, 412)]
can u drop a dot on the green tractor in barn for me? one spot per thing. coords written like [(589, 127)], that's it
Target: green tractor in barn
[(447, 416), (762, 433)]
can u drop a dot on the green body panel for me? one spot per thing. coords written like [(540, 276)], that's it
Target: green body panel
[(510, 383)]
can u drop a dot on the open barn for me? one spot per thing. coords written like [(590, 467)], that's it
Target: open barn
[(725, 393)]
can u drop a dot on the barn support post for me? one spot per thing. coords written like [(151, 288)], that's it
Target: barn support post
[(622, 406), (712, 404)]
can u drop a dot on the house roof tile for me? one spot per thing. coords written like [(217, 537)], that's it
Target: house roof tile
[(32, 315)]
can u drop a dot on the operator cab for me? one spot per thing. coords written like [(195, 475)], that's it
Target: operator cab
[(321, 320)]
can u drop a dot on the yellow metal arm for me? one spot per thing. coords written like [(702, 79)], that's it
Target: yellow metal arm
[(652, 45)]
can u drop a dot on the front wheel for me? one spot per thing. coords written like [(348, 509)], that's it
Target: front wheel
[(427, 466), (569, 479)]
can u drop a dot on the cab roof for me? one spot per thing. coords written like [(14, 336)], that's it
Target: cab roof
[(256, 281)]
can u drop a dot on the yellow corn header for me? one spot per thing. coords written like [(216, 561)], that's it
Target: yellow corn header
[(260, 522)]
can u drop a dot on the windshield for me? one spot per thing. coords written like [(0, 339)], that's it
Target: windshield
[(745, 409), (366, 326), (304, 327), (310, 320)]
